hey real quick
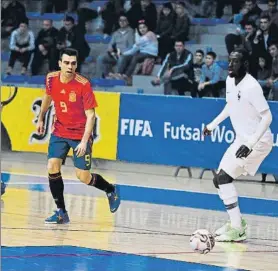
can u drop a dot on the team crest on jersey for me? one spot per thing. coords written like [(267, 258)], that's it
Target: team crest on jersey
[(239, 95), (72, 97)]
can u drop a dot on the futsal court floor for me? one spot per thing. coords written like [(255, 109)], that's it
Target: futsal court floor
[(149, 232)]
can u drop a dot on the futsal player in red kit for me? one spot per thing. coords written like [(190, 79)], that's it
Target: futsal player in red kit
[(75, 104)]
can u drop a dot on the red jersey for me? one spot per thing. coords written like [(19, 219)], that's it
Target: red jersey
[(70, 102)]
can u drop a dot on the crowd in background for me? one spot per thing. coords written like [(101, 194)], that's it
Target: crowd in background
[(142, 33)]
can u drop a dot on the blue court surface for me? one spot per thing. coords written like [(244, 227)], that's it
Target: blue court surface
[(149, 232), (77, 258)]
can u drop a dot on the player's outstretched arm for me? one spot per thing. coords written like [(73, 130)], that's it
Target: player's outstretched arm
[(221, 117), (46, 101), (82, 146)]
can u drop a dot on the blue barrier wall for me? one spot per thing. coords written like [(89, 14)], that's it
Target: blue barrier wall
[(168, 130)]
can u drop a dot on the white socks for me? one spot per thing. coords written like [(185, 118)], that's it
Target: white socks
[(235, 217), (228, 193)]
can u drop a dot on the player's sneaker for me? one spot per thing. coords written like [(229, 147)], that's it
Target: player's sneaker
[(232, 235), (59, 217), (227, 226), (114, 199)]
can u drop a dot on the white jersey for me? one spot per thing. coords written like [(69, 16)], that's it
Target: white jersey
[(245, 102)]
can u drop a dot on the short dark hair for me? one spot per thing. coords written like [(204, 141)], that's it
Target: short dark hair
[(122, 14), (265, 16), (69, 52), (200, 52), (243, 52), (272, 1), (252, 23), (69, 19), (179, 40), (273, 44), (212, 54), (24, 21)]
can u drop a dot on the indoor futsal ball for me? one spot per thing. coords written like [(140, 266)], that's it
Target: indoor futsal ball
[(202, 241)]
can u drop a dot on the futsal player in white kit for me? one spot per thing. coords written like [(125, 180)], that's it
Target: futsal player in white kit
[(250, 117)]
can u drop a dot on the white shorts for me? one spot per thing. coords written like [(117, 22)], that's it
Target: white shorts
[(236, 167)]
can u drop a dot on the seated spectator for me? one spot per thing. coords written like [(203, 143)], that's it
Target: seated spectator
[(272, 11), (176, 72), (264, 72), (272, 81), (220, 5), (146, 47), (149, 14), (265, 35), (254, 12), (12, 13), (45, 47), (242, 39), (211, 81), (144, 10), (109, 16), (22, 44), (122, 40), (129, 3), (249, 16), (206, 8), (197, 68), (250, 12), (164, 30), (73, 36), (182, 24)]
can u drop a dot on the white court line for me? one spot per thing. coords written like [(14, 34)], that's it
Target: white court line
[(144, 186)]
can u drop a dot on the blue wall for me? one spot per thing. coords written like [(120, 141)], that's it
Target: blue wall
[(168, 130)]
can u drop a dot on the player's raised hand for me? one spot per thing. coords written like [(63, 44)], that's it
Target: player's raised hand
[(81, 149), (243, 152), (206, 131), (40, 127)]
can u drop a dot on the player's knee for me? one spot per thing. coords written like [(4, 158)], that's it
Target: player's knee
[(83, 175), (224, 178), (53, 166)]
